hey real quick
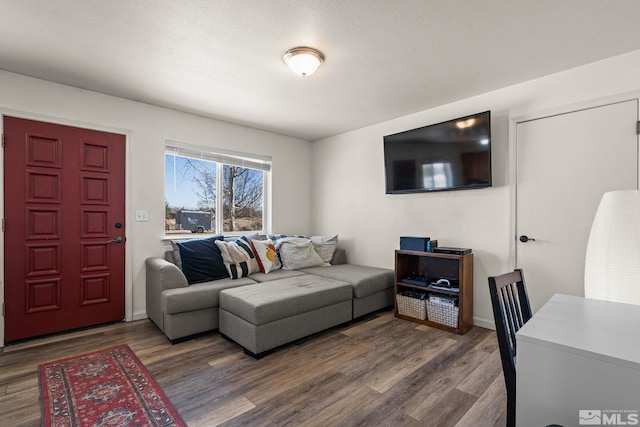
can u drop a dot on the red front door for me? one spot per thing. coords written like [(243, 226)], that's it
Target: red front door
[(64, 192)]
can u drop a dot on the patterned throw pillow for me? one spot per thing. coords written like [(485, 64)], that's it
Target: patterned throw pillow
[(238, 257), (266, 254), (325, 246), (297, 253), (275, 237)]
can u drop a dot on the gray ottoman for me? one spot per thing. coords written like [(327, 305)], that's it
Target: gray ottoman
[(372, 286), (264, 316)]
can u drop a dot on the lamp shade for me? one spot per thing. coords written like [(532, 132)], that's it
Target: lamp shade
[(303, 61), (612, 262)]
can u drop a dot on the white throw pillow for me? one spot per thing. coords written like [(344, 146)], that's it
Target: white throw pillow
[(297, 253), (266, 255), (325, 246)]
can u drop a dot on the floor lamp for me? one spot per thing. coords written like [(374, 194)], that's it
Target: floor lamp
[(612, 262)]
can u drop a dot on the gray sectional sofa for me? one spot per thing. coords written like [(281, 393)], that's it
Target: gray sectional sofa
[(264, 310)]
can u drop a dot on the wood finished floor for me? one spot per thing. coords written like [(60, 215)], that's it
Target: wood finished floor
[(379, 371)]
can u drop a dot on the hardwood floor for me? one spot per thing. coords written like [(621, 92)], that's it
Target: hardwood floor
[(379, 371)]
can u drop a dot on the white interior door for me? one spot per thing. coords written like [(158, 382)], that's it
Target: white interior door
[(564, 165)]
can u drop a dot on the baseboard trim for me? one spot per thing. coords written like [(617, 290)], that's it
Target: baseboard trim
[(484, 323), (139, 316)]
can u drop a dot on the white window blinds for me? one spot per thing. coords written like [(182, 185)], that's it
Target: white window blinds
[(251, 161)]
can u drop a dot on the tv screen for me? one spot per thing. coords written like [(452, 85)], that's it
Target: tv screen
[(452, 155)]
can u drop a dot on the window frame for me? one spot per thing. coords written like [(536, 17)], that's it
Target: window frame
[(223, 157)]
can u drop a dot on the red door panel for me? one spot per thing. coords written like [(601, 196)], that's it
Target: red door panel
[(64, 212)]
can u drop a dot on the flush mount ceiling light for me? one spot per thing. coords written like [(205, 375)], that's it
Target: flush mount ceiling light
[(303, 61), (463, 124)]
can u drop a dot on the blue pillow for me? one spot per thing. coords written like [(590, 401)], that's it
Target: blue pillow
[(275, 237), (202, 260)]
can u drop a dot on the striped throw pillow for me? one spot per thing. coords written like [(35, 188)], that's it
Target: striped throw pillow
[(238, 257)]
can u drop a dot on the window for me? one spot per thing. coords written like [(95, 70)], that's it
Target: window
[(214, 191), (436, 175)]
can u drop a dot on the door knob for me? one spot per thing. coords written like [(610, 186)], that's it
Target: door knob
[(116, 240), (525, 239)]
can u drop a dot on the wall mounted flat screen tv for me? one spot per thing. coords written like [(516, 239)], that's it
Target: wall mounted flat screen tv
[(452, 155)]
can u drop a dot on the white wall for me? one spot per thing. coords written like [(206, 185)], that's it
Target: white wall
[(348, 177), (335, 185), (147, 128)]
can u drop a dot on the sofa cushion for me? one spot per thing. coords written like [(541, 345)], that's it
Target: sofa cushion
[(267, 302), (201, 259), (365, 280), (275, 275), (339, 257), (198, 296), (297, 253), (238, 257)]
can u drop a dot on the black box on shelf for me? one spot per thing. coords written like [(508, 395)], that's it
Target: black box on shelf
[(453, 251), (410, 243)]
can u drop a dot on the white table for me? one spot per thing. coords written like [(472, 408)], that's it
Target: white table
[(579, 354)]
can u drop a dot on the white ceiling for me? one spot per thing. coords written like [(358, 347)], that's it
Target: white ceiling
[(384, 58)]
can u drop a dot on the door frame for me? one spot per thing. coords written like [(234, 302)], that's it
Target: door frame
[(128, 261), (513, 146)]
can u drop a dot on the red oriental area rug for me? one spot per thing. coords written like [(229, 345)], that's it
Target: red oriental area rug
[(109, 387)]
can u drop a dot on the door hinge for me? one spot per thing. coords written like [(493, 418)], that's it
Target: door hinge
[(3, 140), (2, 309), (637, 131), (3, 225)]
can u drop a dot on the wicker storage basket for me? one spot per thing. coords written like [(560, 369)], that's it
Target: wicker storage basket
[(445, 314), (412, 304)]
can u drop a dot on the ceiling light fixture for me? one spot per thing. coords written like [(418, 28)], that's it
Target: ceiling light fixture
[(303, 61), (463, 124)]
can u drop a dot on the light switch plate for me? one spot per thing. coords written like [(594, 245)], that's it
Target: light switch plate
[(141, 216)]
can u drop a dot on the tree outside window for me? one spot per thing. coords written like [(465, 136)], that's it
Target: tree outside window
[(203, 196)]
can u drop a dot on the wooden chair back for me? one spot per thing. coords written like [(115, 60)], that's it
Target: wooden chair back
[(511, 310)]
